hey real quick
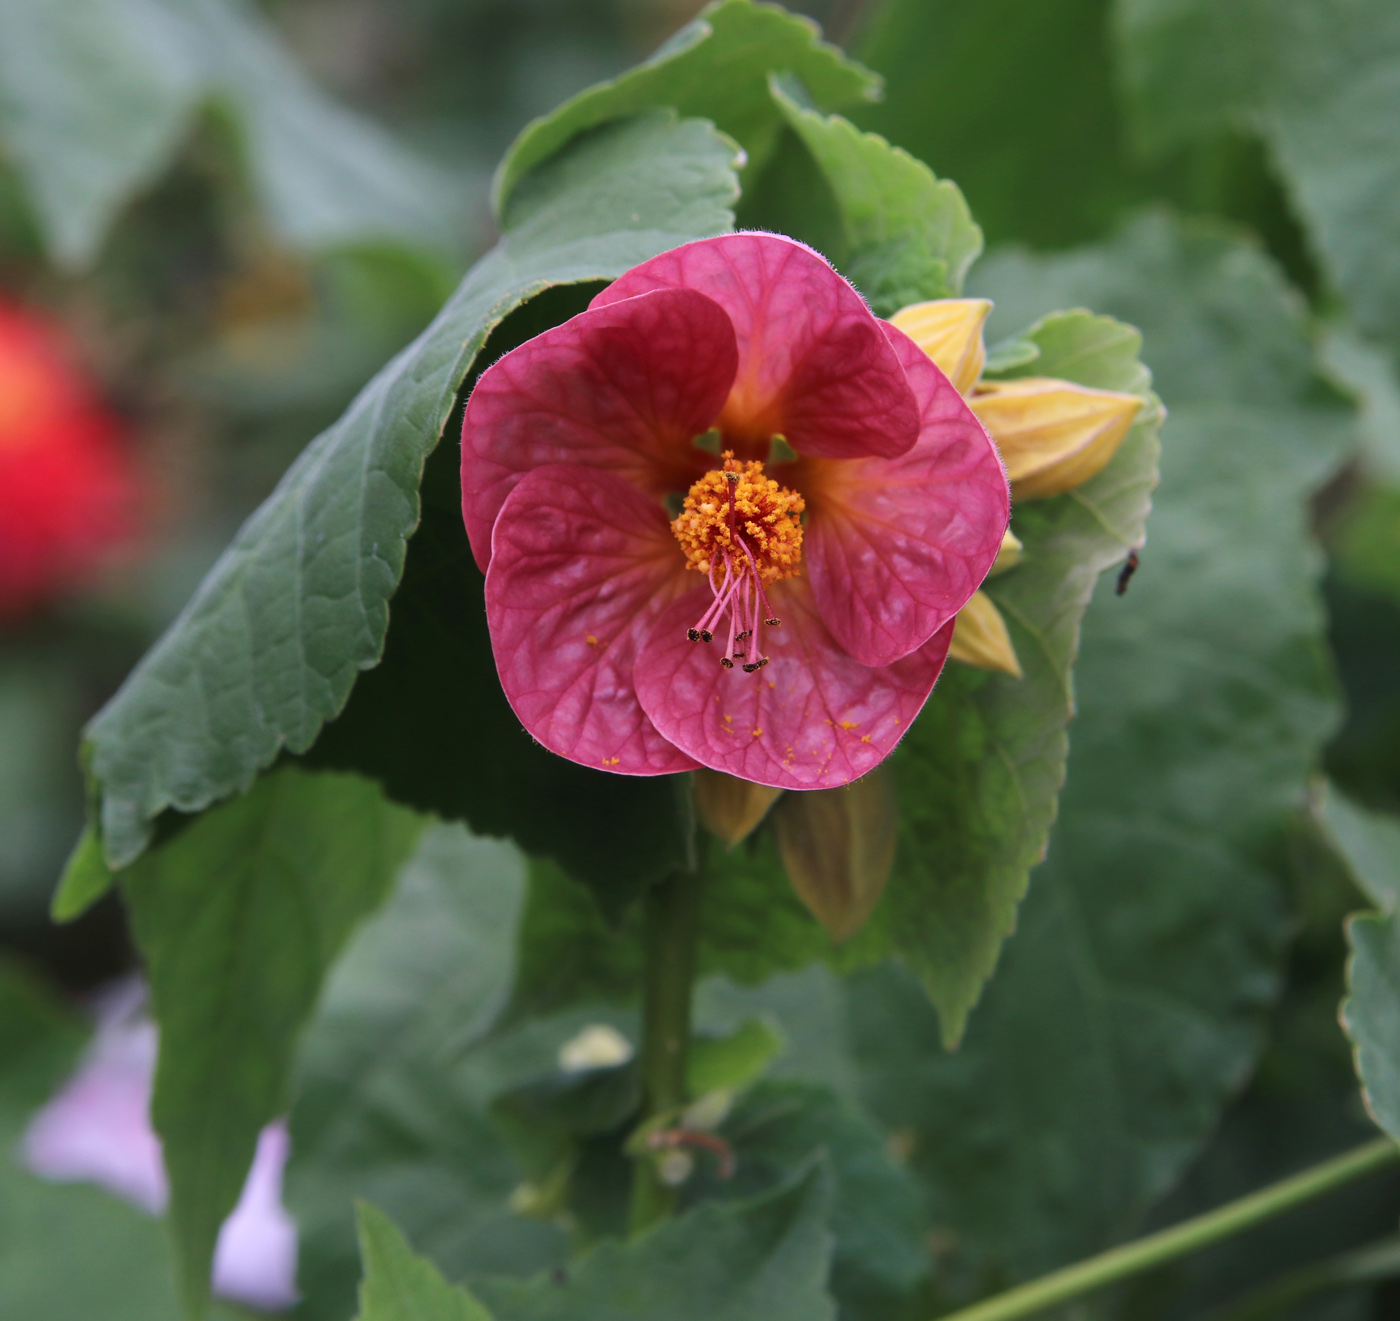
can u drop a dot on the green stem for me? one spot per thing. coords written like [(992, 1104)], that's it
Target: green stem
[(1190, 1236), (671, 933)]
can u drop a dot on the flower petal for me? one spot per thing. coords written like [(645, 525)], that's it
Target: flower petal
[(582, 563), (813, 718), (895, 547), (814, 366), (626, 388)]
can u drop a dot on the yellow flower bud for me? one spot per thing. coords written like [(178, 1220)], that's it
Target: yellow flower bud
[(730, 807), (980, 638), (838, 847), (1053, 435), (1008, 556), (949, 330)]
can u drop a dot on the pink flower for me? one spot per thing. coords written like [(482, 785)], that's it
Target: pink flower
[(97, 1129), (833, 502)]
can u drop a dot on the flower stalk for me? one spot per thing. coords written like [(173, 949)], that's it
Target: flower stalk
[(671, 932)]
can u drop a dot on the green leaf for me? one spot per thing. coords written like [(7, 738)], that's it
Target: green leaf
[(1370, 844), (238, 918), (96, 96), (715, 68), (431, 723), (1320, 79), (66, 1251), (765, 1259), (907, 236), (1371, 1013), (393, 1087), (1130, 1004), (880, 1229), (400, 1286), (731, 1061), (274, 639), (979, 773), (85, 879)]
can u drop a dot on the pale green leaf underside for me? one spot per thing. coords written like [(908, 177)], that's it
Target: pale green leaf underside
[(980, 771), (1370, 844), (297, 606), (716, 67), (96, 96), (908, 235), (238, 918), (1371, 1013)]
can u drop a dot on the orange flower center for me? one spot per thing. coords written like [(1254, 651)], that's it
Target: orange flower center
[(744, 531)]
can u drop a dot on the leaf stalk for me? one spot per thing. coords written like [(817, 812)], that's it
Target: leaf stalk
[(1180, 1240)]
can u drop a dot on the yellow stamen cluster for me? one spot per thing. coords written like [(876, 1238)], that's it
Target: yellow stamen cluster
[(738, 501)]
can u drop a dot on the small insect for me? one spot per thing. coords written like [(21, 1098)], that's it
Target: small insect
[(1125, 574)]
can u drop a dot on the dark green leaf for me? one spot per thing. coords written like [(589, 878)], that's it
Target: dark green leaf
[(716, 68), (239, 916), (95, 96), (979, 773), (1014, 101), (761, 1260), (270, 646), (880, 1257), (1321, 80), (906, 235), (1130, 1002), (400, 1286), (392, 1087)]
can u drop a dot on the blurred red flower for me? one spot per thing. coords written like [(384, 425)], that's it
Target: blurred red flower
[(67, 482)]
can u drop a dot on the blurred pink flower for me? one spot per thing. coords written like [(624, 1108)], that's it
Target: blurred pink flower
[(830, 480), (97, 1130), (67, 482)]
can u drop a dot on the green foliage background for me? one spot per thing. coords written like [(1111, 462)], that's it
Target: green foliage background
[(1144, 996)]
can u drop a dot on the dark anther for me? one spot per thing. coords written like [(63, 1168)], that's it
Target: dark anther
[(727, 663), (732, 478), (772, 623), (693, 634), (756, 665), (739, 637), (1125, 574), (706, 635)]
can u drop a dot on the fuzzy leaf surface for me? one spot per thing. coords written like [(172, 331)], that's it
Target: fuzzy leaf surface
[(715, 67), (907, 236), (298, 605)]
